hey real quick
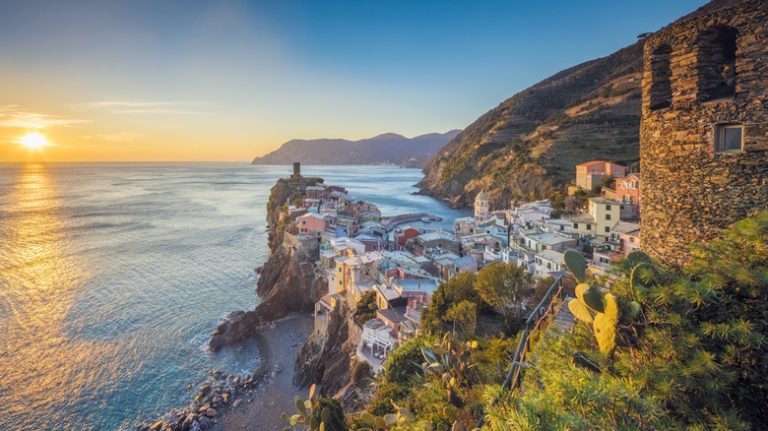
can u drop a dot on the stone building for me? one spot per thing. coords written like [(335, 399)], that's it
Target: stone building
[(703, 143)]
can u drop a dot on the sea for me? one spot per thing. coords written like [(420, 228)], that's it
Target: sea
[(112, 277)]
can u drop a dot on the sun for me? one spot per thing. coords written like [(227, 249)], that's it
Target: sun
[(34, 141)]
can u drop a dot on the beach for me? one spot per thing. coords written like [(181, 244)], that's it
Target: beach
[(261, 409)]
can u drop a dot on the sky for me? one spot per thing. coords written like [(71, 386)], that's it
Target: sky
[(165, 80)]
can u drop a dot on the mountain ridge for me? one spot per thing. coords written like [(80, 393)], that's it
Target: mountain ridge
[(385, 148)]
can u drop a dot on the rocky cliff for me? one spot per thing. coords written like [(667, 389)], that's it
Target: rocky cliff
[(531, 142), (287, 282), (325, 361), (386, 148)]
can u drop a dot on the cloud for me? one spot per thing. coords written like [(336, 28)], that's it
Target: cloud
[(149, 107), (11, 116), (121, 137)]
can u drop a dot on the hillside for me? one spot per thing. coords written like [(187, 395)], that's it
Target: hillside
[(385, 148), (531, 142)]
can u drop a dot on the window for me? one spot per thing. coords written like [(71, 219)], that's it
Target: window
[(631, 239), (589, 226), (575, 225), (607, 207), (717, 63), (607, 216), (607, 229), (729, 138), (661, 86)]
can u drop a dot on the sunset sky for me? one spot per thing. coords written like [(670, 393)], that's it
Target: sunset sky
[(229, 80)]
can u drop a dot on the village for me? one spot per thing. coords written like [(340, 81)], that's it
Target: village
[(390, 266)]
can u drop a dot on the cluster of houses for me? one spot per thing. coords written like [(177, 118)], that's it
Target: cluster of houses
[(403, 264)]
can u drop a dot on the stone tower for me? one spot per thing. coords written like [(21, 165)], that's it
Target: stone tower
[(703, 143), (482, 206), (296, 170)]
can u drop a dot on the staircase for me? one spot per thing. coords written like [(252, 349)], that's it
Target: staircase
[(564, 319)]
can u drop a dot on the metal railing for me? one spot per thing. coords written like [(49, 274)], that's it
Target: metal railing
[(532, 323)]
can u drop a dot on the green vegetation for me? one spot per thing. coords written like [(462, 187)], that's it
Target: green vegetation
[(460, 288), (464, 317), (503, 286), (458, 302), (692, 358), (316, 414), (674, 349), (366, 307)]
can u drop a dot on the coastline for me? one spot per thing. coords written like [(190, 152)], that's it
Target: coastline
[(279, 344)]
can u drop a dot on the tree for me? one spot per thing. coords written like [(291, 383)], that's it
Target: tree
[(463, 317), (366, 307), (502, 286), (453, 291)]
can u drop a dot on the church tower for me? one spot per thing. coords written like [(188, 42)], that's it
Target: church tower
[(482, 206)]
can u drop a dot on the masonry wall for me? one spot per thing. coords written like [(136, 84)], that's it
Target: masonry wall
[(690, 192)]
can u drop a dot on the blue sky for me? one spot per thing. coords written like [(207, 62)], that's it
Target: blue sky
[(145, 79)]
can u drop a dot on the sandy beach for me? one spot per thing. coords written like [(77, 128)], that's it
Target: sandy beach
[(261, 408)]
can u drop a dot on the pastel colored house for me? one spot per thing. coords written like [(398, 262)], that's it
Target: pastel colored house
[(626, 191), (312, 223), (548, 262), (602, 215), (628, 236), (591, 174)]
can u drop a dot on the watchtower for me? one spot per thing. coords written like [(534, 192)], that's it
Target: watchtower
[(703, 143)]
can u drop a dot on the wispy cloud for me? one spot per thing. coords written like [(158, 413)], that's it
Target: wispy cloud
[(13, 116), (149, 107), (120, 137)]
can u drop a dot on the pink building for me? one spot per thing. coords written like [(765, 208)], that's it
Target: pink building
[(626, 191), (590, 174), (628, 236), (312, 223)]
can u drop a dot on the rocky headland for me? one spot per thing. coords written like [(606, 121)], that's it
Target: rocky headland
[(287, 281), (288, 288)]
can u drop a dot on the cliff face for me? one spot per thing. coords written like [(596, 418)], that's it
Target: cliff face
[(287, 282), (326, 362), (532, 141), (386, 148)]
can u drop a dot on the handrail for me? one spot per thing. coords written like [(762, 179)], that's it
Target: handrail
[(531, 325)]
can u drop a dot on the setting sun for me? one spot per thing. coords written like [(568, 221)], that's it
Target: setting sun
[(34, 141)]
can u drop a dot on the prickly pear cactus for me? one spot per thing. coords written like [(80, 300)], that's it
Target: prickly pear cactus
[(576, 264), (592, 306)]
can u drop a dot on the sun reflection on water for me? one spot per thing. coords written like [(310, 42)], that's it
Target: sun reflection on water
[(42, 366)]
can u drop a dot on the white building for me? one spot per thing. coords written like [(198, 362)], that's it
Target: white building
[(549, 262)]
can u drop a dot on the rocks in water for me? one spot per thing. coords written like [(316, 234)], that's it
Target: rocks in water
[(211, 398)]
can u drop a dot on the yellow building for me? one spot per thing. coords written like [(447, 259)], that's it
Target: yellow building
[(602, 214)]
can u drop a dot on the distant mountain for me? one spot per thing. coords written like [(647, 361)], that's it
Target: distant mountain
[(386, 148)]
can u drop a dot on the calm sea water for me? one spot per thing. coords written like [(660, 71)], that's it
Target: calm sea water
[(113, 275)]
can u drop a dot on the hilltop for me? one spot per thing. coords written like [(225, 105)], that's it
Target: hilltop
[(385, 148), (532, 141)]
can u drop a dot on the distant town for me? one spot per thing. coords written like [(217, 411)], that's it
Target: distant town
[(397, 262)]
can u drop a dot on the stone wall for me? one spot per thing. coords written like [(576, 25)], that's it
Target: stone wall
[(690, 192)]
